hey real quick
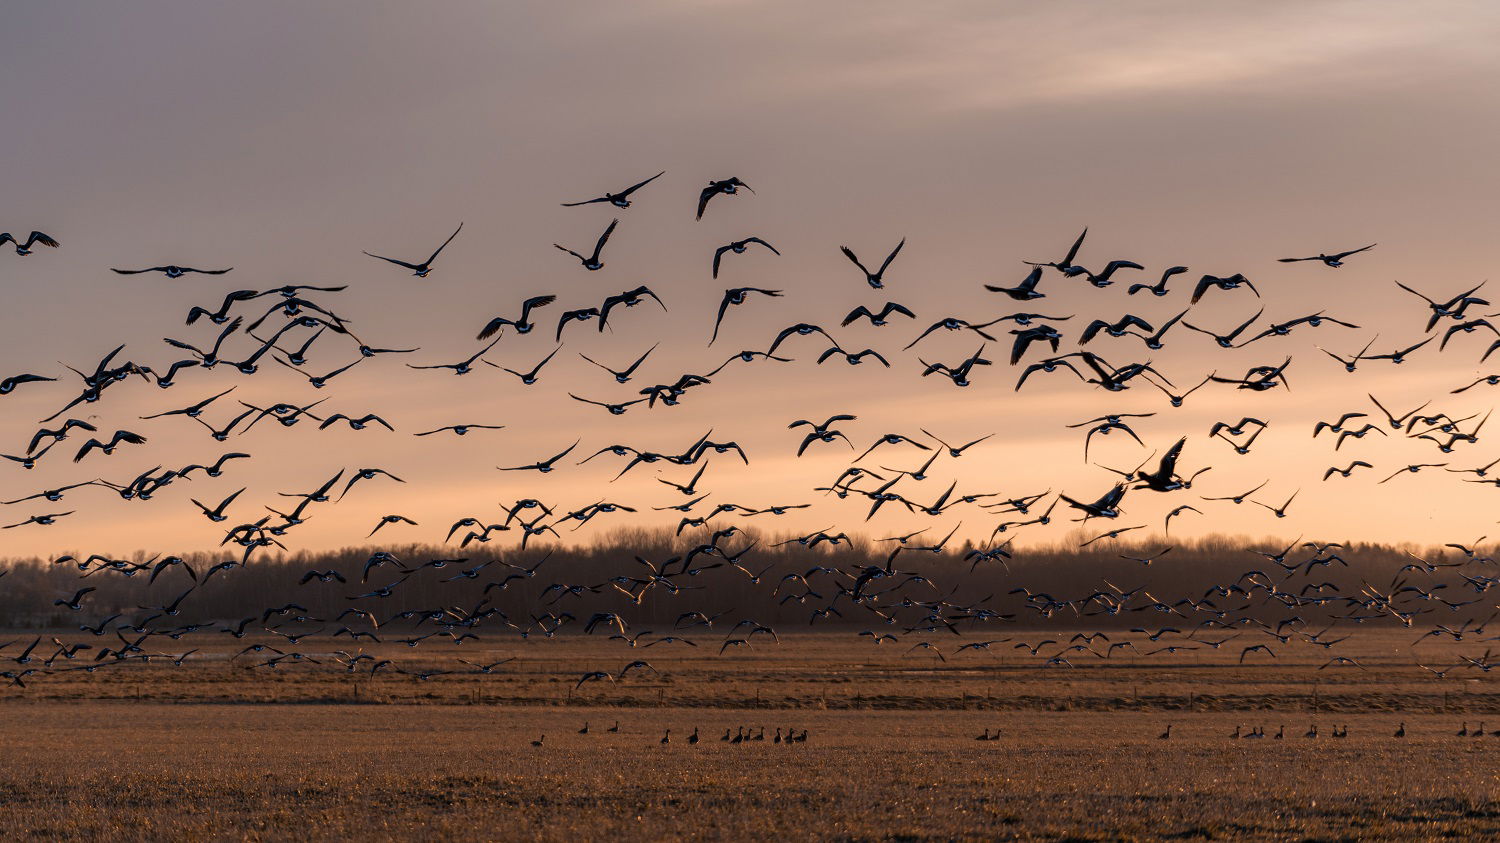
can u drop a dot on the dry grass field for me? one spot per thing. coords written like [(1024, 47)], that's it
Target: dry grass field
[(212, 750)]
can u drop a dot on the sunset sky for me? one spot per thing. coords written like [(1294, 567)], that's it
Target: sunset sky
[(284, 139)]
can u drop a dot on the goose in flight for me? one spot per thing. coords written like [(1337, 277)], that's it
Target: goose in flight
[(1453, 308), (362, 474), (875, 279), (121, 436), (614, 409), (359, 423), (728, 187), (1279, 511), (877, 319), (192, 411), (1024, 339), (1118, 328), (958, 374), (43, 520), (854, 358), (1356, 433), (420, 270), (955, 451), (628, 298), (216, 514), (1396, 422), (1352, 363), (619, 200), (1226, 340), (1259, 378), (523, 325), (1101, 279), (530, 377), (887, 439), (953, 323), (736, 297), (1345, 472), (1230, 282), (1158, 289), (461, 429), (592, 262), (738, 247), (391, 519), (1067, 262), (171, 271), (1167, 522), (1334, 260), (1049, 365), (1025, 291), (463, 367), (544, 466), (623, 375), (25, 248), (1242, 496), (822, 432), (801, 329), (8, 385), (1107, 506), (1398, 356), (1413, 469), (1337, 426)]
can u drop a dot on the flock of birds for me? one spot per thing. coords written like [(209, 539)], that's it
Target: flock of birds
[(255, 331), (742, 734)]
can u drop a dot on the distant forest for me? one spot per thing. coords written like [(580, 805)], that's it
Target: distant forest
[(1039, 586)]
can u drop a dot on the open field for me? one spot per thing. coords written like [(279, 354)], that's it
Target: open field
[(137, 771), (211, 750)]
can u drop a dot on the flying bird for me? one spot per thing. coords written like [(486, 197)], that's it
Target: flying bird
[(738, 247), (726, 187), (171, 271), (592, 261), (619, 200), (875, 279), (420, 270), (1334, 260)]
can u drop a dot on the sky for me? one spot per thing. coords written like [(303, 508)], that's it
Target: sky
[(284, 139)]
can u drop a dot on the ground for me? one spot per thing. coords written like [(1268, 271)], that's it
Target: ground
[(210, 750)]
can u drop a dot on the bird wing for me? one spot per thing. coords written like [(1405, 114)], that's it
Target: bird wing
[(400, 262), (429, 261)]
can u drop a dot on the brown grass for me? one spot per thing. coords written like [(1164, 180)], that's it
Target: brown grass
[(212, 751)]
